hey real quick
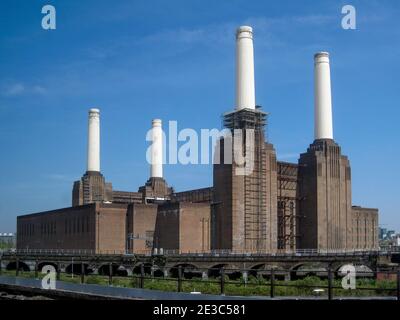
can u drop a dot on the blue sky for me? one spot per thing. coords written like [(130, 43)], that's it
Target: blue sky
[(174, 60)]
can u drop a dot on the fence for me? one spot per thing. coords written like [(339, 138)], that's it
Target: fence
[(212, 253), (221, 278), (238, 282)]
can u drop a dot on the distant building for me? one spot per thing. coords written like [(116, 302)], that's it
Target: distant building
[(385, 234), (382, 233), (390, 234), (7, 240), (396, 240)]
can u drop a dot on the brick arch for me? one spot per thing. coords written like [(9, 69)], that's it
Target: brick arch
[(214, 269), (320, 270), (258, 266), (77, 268), (104, 269), (22, 266), (189, 270), (264, 267), (147, 267), (297, 266), (337, 267), (41, 264)]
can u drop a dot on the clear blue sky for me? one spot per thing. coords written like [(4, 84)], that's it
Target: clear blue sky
[(174, 60)]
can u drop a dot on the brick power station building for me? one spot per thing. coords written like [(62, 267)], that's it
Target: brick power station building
[(257, 205)]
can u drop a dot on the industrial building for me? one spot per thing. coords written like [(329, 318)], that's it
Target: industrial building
[(259, 205)]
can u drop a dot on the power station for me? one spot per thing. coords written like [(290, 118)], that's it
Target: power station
[(259, 205)]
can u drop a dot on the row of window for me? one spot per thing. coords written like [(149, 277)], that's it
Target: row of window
[(26, 229), (48, 228), (71, 226), (76, 225), (364, 232)]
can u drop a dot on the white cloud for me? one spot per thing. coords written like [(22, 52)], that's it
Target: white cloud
[(59, 177), (39, 89), (18, 89), (13, 90)]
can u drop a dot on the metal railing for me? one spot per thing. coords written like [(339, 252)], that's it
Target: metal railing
[(262, 283), (211, 253)]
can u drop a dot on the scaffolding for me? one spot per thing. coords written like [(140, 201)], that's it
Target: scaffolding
[(287, 205), (246, 119)]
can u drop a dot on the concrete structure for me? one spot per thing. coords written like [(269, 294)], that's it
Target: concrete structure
[(322, 97), (156, 188), (203, 263), (256, 205), (93, 154), (92, 187), (156, 150), (245, 89)]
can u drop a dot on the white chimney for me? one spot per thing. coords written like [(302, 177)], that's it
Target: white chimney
[(322, 97), (156, 149), (93, 160), (245, 90)]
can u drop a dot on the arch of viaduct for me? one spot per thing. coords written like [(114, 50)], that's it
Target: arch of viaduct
[(192, 265)]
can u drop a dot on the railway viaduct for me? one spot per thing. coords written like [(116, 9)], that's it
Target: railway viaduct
[(200, 264)]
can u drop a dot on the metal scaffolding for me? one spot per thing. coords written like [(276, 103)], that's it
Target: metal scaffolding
[(287, 205)]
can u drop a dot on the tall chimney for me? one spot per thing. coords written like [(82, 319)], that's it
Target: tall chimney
[(156, 150), (322, 97), (245, 91), (93, 160)]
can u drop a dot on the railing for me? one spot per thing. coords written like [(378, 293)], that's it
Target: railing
[(212, 253), (326, 283)]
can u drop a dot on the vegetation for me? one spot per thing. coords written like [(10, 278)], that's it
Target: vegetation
[(6, 245), (254, 286)]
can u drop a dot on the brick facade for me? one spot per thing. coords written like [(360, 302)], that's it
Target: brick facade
[(183, 226), (141, 221), (96, 227), (365, 228), (325, 198)]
